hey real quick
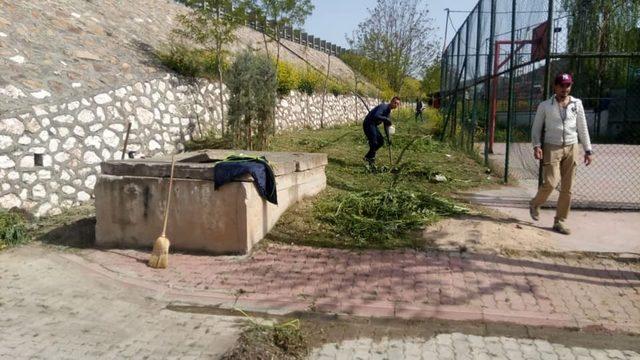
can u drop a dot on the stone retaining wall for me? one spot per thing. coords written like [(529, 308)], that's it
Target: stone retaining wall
[(50, 154)]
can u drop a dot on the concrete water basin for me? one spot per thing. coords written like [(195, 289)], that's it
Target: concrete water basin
[(131, 196)]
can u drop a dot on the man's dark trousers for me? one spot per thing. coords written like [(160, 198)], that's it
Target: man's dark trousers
[(375, 138)]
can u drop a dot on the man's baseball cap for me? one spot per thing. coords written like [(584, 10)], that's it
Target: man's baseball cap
[(563, 79)]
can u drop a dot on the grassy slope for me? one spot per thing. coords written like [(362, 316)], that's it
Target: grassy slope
[(345, 147)]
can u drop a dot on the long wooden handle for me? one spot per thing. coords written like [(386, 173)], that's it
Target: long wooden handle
[(166, 210), (126, 140)]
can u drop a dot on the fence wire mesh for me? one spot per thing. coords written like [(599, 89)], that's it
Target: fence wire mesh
[(500, 65)]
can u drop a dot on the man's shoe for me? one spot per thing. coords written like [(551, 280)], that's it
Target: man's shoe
[(561, 228), (534, 212)]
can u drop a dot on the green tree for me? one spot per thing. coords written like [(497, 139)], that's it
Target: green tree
[(252, 85), (368, 68), (431, 78), (602, 26), (212, 24), (398, 36), (410, 89)]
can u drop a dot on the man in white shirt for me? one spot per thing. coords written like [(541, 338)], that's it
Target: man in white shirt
[(565, 126)]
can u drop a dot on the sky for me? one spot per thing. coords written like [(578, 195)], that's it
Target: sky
[(332, 19)]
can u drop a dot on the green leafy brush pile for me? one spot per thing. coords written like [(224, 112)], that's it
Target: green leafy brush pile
[(375, 217)]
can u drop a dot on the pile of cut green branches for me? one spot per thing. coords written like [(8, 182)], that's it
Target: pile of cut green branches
[(374, 217)]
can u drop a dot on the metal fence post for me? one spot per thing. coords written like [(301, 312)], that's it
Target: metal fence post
[(443, 72), (464, 84), (454, 122), (444, 80), (475, 86), (510, 101), (625, 119), (492, 32), (547, 76)]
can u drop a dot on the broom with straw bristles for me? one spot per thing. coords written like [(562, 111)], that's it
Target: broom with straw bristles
[(160, 254)]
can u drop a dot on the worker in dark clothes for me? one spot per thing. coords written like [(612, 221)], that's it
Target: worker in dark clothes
[(419, 108), (377, 115)]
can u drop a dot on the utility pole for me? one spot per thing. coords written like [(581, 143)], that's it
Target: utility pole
[(446, 28)]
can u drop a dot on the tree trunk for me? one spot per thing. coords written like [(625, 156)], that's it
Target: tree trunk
[(324, 92), (219, 66), (355, 98), (277, 65), (221, 97), (264, 38), (277, 33), (249, 144)]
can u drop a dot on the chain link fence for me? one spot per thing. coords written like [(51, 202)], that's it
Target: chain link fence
[(500, 65)]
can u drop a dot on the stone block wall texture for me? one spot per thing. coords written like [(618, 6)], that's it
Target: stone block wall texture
[(50, 155)]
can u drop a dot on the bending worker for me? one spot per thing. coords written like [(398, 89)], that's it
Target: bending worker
[(377, 115), (565, 125)]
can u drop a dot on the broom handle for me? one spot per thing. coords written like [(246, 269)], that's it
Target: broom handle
[(166, 210)]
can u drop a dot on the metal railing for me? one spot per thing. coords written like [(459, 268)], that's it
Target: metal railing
[(261, 24), (295, 35)]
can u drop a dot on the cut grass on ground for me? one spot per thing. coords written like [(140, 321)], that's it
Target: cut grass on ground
[(376, 210), (269, 340)]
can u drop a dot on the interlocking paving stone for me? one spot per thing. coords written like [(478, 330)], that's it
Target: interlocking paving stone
[(405, 283), (502, 348)]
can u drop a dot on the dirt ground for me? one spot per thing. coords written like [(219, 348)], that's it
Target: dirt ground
[(491, 232)]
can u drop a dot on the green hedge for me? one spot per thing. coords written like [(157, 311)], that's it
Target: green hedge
[(308, 81), (288, 78)]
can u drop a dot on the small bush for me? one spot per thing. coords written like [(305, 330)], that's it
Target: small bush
[(288, 78), (434, 117), (209, 64), (337, 88), (179, 59), (13, 230), (252, 85), (404, 113), (190, 62), (211, 140), (309, 82)]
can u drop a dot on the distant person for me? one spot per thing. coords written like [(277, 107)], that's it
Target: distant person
[(565, 125), (419, 108), (378, 115)]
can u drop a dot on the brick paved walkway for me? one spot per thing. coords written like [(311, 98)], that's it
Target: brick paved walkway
[(461, 346), (406, 284)]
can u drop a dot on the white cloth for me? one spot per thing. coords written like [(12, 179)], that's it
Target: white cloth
[(558, 131)]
